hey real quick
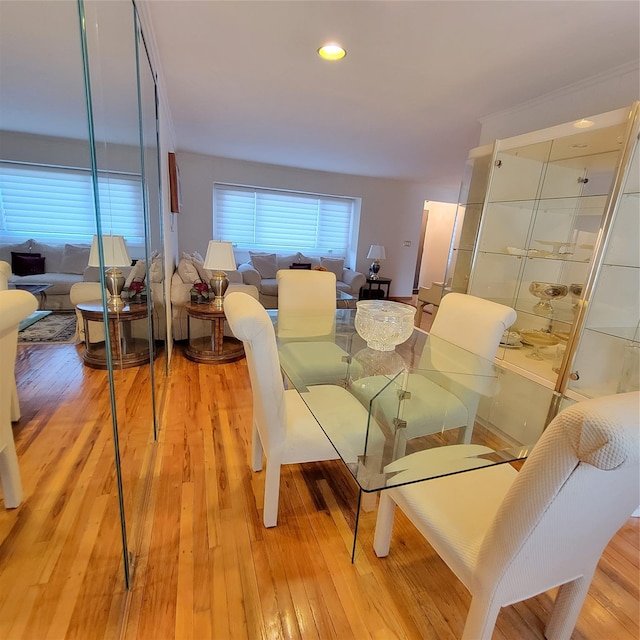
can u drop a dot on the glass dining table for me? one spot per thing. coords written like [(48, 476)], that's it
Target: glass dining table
[(427, 406)]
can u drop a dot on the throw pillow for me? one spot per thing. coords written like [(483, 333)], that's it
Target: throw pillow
[(335, 265), (26, 264), (75, 258), (155, 270), (187, 271), (265, 264), (300, 265)]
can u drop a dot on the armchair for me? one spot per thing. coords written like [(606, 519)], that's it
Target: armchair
[(14, 307)]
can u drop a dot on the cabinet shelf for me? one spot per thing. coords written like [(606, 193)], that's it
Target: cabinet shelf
[(628, 334)]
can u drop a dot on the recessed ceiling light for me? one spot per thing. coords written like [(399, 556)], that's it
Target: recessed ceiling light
[(583, 124), (331, 51)]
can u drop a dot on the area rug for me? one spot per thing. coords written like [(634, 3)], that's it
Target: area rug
[(56, 328), (34, 317)]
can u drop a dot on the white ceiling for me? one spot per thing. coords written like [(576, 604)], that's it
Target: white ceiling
[(244, 81)]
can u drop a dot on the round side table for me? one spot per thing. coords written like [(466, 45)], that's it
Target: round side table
[(207, 343), (126, 351)]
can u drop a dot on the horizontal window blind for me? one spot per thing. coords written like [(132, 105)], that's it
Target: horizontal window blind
[(57, 204), (251, 217)]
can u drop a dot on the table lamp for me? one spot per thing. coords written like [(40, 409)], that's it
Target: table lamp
[(115, 254), (219, 259), (376, 253)]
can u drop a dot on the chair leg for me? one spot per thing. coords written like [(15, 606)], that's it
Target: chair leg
[(10, 476), (256, 449), (15, 403), (481, 619), (271, 494), (384, 525), (566, 608)]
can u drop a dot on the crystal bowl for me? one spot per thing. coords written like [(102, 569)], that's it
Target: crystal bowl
[(384, 324)]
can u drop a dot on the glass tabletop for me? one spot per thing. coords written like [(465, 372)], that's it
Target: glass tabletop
[(396, 417)]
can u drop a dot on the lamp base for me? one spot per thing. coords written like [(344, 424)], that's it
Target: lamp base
[(219, 284), (114, 281), (374, 270)]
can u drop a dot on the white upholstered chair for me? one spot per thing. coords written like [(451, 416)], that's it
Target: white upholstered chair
[(509, 536), (5, 274), (283, 427), (439, 401), (14, 307), (306, 324), (87, 292)]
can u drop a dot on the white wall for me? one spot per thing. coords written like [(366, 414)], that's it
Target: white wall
[(614, 90), (436, 242), (391, 209)]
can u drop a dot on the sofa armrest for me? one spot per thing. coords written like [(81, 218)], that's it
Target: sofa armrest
[(250, 275), (354, 279)]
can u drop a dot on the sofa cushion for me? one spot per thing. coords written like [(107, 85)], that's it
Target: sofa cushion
[(6, 249), (285, 261), (314, 261), (138, 272), (335, 265), (52, 253), (60, 282), (75, 258), (269, 287), (265, 264)]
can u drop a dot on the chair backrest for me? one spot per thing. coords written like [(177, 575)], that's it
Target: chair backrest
[(306, 289), (250, 323), (472, 323), (15, 305), (5, 274), (576, 489)]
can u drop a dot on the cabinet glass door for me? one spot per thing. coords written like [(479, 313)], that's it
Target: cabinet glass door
[(608, 354)]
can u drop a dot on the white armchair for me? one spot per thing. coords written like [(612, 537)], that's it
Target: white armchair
[(509, 536), (14, 307)]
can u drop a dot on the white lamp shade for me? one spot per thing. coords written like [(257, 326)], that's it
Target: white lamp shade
[(220, 256), (376, 252), (114, 251)]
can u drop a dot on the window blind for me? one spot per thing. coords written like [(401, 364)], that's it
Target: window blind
[(255, 218), (57, 204)]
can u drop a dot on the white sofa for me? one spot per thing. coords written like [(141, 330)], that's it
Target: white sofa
[(261, 271), (64, 265)]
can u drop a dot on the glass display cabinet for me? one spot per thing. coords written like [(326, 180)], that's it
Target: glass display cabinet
[(548, 223)]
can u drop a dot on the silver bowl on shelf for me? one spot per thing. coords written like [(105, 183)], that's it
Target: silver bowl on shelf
[(546, 292)]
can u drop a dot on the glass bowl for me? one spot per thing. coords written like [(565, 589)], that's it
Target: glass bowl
[(384, 324)]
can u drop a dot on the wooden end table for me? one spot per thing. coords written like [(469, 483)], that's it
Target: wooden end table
[(126, 351), (373, 289), (209, 345)]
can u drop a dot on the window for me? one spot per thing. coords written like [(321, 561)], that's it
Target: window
[(254, 218), (56, 204)]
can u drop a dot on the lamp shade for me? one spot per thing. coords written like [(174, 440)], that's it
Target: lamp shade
[(376, 252), (114, 251), (220, 256)]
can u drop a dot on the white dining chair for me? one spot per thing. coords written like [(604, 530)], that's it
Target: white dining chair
[(438, 400), (306, 325), (509, 536), (284, 428), (14, 306)]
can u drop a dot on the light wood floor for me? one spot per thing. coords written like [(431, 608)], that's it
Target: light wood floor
[(206, 567)]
